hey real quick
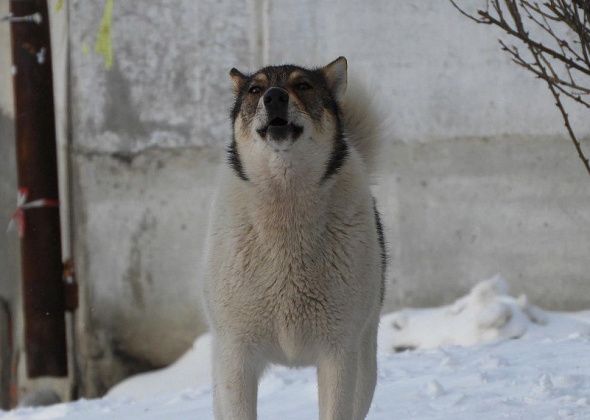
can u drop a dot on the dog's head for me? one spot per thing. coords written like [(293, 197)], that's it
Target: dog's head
[(288, 111)]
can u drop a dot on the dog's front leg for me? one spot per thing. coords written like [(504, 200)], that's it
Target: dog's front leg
[(336, 383), (235, 375)]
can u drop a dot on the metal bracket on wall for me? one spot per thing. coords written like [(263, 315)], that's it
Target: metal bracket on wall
[(34, 18)]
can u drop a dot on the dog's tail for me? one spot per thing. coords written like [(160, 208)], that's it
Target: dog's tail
[(362, 124)]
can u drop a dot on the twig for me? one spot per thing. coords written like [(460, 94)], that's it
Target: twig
[(565, 116), (516, 58), (550, 63)]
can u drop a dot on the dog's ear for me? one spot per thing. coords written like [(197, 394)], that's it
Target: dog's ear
[(335, 74), (238, 79)]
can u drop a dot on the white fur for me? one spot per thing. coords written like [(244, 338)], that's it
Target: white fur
[(363, 125), (294, 274)]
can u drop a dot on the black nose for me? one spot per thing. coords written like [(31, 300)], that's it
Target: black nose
[(276, 100)]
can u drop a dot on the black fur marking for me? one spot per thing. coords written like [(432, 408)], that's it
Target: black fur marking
[(233, 158), (279, 76), (338, 156), (381, 239)]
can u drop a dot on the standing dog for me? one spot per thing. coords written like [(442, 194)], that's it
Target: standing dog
[(296, 258)]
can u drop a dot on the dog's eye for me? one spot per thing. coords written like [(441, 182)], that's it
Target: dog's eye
[(303, 86), (255, 90)]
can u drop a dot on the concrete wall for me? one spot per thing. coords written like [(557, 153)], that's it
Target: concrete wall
[(476, 176), (147, 137), (9, 244)]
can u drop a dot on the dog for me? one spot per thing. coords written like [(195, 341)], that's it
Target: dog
[(295, 254)]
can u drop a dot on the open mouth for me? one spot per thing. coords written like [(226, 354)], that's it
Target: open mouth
[(277, 122), (279, 129)]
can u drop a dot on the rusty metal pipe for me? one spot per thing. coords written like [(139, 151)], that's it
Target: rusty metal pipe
[(42, 284)]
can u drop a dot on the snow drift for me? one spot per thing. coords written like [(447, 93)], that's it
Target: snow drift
[(486, 356)]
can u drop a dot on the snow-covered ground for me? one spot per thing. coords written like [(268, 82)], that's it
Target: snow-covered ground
[(486, 356)]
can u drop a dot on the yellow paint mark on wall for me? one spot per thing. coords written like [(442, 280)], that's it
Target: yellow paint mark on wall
[(85, 48), (104, 45), (59, 5)]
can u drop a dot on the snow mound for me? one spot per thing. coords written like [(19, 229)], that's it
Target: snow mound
[(486, 314), (529, 378), (193, 369), (545, 373)]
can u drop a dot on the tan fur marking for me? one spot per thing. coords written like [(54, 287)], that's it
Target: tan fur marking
[(295, 75), (261, 78)]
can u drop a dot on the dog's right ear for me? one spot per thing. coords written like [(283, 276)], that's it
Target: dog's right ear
[(238, 79)]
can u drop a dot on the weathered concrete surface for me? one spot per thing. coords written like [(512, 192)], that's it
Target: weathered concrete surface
[(476, 176), (140, 226), (9, 244), (6, 97), (147, 137), (168, 86), (439, 75), (461, 210), (9, 249)]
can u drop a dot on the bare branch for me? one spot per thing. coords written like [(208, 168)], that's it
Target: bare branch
[(532, 43), (562, 65), (565, 116), (464, 13), (516, 58)]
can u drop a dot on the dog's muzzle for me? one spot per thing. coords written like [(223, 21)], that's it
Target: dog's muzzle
[(276, 103)]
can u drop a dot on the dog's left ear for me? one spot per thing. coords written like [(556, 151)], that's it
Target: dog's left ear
[(238, 79), (335, 74)]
